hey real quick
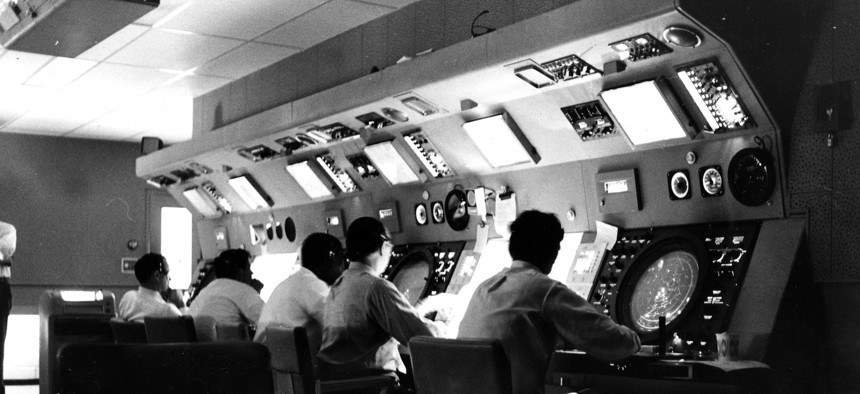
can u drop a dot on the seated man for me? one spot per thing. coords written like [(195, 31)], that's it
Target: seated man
[(229, 298), (365, 315), (299, 299), (527, 311), (151, 271)]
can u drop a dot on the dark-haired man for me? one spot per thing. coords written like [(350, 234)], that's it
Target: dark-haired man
[(298, 301), (229, 298), (152, 272), (527, 311), (365, 315)]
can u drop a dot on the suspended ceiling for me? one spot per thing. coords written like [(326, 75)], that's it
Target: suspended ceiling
[(141, 80)]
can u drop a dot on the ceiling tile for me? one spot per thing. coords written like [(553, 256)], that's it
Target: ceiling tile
[(113, 43), (166, 9), (172, 50), (19, 66), (65, 112), (323, 23), (241, 19), (193, 85), (60, 72), (392, 3), (245, 60), (16, 100), (111, 79)]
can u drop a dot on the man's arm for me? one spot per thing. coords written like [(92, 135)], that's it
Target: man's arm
[(394, 313), (577, 322), (250, 304)]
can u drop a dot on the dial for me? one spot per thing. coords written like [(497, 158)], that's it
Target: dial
[(712, 181)]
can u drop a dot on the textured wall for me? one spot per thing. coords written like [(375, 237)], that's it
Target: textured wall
[(75, 204)]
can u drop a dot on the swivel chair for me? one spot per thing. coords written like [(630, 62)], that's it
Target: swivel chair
[(170, 329), (127, 331), (442, 366)]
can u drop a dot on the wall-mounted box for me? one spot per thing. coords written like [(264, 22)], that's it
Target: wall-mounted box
[(618, 192)]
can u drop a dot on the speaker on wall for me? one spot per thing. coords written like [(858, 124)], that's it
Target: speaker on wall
[(150, 144)]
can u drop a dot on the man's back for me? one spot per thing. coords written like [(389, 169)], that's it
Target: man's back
[(137, 304), (528, 311), (363, 313), (224, 301)]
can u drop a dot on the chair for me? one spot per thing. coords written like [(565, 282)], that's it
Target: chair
[(226, 332), (164, 368), (293, 371), (170, 329), (127, 331), (444, 366)]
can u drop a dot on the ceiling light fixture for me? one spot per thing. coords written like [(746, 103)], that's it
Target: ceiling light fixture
[(535, 76), (501, 141)]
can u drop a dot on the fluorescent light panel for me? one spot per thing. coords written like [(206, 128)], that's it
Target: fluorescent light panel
[(535, 76), (644, 113), (201, 202), (251, 192), (500, 141), (308, 180), (390, 163)]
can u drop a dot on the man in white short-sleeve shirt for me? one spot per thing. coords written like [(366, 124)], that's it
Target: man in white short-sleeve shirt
[(229, 298), (152, 271), (298, 301)]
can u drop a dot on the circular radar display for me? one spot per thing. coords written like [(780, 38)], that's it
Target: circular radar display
[(664, 289), (412, 279)]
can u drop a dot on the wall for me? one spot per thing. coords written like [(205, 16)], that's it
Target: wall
[(423, 25), (76, 203)]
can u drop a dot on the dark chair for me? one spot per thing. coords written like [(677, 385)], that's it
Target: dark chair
[(226, 332), (293, 372), (444, 366), (162, 368), (170, 329), (127, 331)]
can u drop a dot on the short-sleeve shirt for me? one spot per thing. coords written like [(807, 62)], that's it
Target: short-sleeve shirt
[(224, 301), (297, 301), (528, 311), (137, 304), (365, 317)]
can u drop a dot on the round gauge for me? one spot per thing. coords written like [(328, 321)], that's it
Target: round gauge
[(752, 177), (712, 181), (664, 289), (420, 214), (679, 185), (455, 210), (438, 212)]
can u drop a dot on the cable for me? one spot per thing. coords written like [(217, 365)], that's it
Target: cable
[(487, 29)]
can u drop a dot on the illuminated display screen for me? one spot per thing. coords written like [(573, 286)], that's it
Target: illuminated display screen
[(664, 289), (411, 279)]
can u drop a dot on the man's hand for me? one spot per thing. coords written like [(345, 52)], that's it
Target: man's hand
[(257, 285)]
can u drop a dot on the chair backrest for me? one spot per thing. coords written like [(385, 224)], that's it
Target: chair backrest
[(223, 367), (232, 332), (442, 365), (293, 371), (127, 331), (292, 364), (170, 329)]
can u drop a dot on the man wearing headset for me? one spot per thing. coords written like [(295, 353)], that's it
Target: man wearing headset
[(151, 271)]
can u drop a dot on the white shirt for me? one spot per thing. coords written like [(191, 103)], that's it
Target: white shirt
[(136, 304), (8, 242), (297, 301), (224, 301)]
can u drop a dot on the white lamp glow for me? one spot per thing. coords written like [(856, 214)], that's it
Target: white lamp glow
[(308, 180), (390, 163), (500, 141), (644, 113), (250, 192), (201, 202)]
